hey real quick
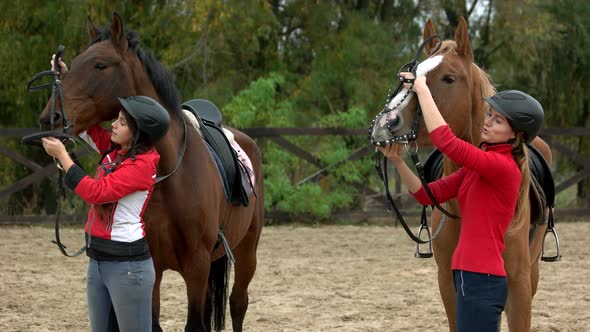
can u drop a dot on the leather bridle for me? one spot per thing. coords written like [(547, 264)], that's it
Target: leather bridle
[(409, 140)]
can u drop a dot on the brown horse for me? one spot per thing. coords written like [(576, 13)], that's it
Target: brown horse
[(188, 208), (459, 86)]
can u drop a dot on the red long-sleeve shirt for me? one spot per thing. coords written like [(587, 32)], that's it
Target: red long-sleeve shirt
[(129, 187), (487, 189)]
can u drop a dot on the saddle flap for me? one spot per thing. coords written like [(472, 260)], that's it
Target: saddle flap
[(209, 118), (542, 174), (205, 110), (433, 167)]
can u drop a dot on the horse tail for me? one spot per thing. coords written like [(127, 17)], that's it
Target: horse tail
[(218, 284)]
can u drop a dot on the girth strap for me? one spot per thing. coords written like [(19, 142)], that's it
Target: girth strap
[(222, 240)]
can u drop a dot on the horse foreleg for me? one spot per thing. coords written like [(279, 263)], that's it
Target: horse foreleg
[(156, 302), (443, 248), (195, 275), (518, 269), (245, 266)]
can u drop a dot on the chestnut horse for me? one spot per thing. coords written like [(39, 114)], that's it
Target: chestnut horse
[(188, 208), (459, 86)]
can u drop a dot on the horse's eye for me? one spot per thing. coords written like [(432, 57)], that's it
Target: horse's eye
[(449, 79), (100, 66)]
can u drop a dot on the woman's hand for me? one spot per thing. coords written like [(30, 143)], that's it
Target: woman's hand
[(419, 82), (63, 68), (54, 147), (393, 152)]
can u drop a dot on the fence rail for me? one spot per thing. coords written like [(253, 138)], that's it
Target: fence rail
[(277, 136)]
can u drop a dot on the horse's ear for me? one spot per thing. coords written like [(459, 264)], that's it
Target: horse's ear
[(92, 30), (118, 34), (462, 40), (429, 31)]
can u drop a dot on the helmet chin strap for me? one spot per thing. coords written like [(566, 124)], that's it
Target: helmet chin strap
[(134, 145)]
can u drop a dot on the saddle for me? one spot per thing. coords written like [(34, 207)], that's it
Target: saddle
[(541, 190), (234, 177)]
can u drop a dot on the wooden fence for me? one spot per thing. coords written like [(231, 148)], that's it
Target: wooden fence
[(277, 136)]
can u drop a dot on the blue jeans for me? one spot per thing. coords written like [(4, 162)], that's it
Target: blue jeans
[(123, 288), (481, 298)]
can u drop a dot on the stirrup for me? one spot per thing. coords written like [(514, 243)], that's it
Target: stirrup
[(557, 257), (424, 227), (428, 252)]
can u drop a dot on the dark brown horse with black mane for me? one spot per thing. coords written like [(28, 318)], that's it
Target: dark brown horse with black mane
[(459, 86), (187, 209)]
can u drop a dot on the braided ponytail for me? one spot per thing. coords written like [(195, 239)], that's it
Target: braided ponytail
[(522, 212)]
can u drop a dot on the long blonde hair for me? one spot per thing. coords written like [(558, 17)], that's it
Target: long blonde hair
[(520, 154)]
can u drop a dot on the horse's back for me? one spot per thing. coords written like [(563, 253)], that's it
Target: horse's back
[(544, 148)]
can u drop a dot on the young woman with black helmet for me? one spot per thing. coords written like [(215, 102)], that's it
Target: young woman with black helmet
[(492, 190), (120, 272)]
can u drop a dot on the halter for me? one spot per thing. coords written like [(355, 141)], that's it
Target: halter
[(409, 141)]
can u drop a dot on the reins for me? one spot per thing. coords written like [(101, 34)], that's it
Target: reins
[(180, 156), (35, 138)]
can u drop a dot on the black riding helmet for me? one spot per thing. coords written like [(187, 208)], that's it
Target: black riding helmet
[(523, 112), (151, 118)]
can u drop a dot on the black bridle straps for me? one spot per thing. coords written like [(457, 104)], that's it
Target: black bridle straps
[(422, 177), (412, 67), (392, 207), (57, 241), (56, 93)]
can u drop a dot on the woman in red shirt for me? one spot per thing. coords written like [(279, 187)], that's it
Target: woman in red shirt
[(120, 271), (493, 171)]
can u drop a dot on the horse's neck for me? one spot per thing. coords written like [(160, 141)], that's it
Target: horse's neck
[(476, 122), (172, 143)]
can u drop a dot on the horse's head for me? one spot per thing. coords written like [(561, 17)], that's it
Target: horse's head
[(107, 69), (456, 83)]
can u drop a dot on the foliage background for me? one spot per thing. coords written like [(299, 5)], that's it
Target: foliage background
[(301, 63)]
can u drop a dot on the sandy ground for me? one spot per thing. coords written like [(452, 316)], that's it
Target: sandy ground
[(325, 278)]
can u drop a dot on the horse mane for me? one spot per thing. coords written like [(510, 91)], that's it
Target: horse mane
[(162, 79), (487, 87)]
